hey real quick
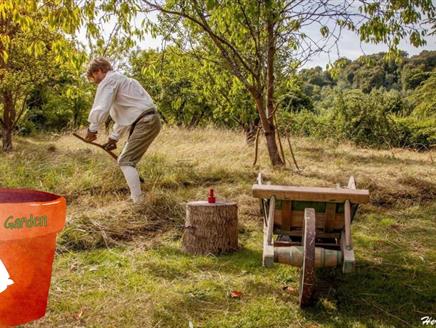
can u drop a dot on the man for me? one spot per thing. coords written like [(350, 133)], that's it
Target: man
[(131, 108)]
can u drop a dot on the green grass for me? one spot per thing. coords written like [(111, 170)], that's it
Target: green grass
[(120, 266)]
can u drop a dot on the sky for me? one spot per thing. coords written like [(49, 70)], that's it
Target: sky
[(349, 45)]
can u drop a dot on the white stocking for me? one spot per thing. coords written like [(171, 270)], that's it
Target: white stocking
[(132, 178)]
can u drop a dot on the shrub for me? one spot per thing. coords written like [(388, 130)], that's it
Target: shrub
[(372, 120), (365, 118), (415, 133), (307, 123)]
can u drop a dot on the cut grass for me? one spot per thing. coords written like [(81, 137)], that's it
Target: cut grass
[(120, 266)]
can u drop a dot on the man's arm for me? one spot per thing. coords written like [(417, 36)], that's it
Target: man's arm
[(117, 132), (103, 101)]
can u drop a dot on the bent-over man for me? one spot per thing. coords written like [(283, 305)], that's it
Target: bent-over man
[(132, 110)]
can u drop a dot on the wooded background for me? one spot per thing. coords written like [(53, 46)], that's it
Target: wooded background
[(235, 64)]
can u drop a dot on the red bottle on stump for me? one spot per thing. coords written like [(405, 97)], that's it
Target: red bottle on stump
[(29, 223), (211, 197)]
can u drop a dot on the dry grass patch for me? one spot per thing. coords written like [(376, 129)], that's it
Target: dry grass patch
[(120, 221)]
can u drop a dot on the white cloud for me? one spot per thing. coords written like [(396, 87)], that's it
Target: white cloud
[(349, 46)]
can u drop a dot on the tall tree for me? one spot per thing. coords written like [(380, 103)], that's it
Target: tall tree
[(31, 53), (250, 36)]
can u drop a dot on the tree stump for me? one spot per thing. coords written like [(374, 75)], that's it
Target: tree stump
[(210, 228)]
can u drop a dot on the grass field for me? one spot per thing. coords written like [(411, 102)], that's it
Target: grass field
[(121, 266)]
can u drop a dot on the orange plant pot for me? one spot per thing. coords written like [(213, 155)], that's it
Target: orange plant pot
[(29, 222)]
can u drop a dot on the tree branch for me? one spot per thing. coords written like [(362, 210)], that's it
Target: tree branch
[(250, 28), (23, 107), (219, 41)]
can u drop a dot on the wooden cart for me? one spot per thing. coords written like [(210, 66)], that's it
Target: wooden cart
[(312, 228)]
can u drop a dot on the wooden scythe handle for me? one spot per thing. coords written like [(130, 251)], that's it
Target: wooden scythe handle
[(115, 157)]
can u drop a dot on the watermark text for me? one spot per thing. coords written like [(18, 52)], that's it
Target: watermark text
[(428, 321)]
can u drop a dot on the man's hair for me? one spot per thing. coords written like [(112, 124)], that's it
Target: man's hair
[(99, 63)]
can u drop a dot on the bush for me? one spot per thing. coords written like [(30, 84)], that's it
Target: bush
[(371, 120), (307, 123), (365, 118), (415, 133), (56, 108)]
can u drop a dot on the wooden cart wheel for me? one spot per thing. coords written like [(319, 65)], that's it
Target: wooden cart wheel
[(307, 272)]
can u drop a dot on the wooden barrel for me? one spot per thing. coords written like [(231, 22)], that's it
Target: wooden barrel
[(210, 228)]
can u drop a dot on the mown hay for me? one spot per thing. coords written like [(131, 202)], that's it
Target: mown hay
[(121, 222), (407, 191)]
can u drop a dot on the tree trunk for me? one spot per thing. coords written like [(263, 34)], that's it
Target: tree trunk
[(8, 121), (210, 228), (250, 132), (77, 117), (269, 130), (195, 120), (273, 150), (270, 133), (266, 111), (180, 118), (7, 140)]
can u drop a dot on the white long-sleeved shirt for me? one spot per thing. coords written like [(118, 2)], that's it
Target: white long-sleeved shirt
[(123, 98)]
